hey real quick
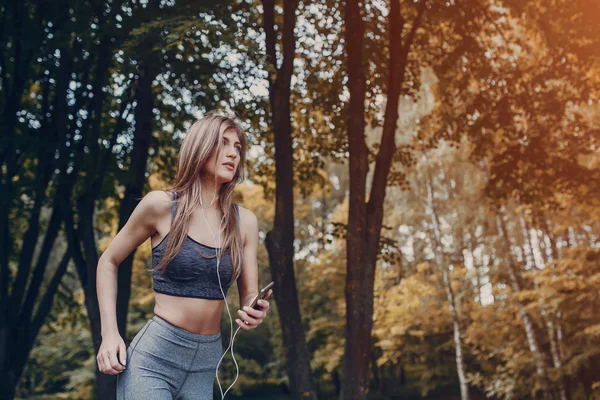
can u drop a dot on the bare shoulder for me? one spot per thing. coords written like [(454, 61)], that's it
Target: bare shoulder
[(248, 225), (156, 203), (247, 217)]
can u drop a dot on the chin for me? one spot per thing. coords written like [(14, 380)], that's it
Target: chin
[(226, 178)]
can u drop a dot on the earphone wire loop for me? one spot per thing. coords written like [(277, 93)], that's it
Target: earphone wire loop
[(232, 335)]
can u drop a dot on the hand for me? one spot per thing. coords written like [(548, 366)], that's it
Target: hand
[(108, 362), (251, 318)]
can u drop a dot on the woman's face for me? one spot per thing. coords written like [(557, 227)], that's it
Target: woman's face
[(229, 159)]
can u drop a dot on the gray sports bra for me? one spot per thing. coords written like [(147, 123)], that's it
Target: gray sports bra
[(193, 271)]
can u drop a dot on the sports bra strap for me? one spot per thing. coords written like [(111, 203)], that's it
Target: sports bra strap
[(237, 212)]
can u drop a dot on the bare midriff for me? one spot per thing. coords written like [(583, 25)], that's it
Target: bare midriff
[(201, 316)]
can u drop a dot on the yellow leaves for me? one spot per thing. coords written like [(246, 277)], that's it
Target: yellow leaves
[(526, 296), (323, 323), (329, 356), (382, 360), (156, 183), (385, 343), (254, 200), (79, 296), (596, 389), (145, 300), (104, 242), (593, 330), (423, 268), (415, 308)]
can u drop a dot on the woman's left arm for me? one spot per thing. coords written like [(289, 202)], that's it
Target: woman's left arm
[(248, 279)]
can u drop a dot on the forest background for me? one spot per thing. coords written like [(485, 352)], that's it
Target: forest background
[(425, 174)]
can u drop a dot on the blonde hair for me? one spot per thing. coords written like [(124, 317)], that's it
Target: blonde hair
[(202, 139)]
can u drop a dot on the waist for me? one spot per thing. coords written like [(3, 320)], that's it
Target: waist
[(176, 330), (195, 315)]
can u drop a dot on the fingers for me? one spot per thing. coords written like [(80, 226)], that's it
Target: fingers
[(250, 317), (253, 313), (114, 364), (100, 363), (122, 355), (108, 362), (264, 306), (248, 320), (243, 325), (105, 365)]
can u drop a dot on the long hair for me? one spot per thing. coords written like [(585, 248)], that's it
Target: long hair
[(202, 139)]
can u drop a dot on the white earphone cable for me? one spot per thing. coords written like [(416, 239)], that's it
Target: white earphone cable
[(232, 335)]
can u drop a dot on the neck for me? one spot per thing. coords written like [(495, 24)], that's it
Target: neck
[(209, 193)]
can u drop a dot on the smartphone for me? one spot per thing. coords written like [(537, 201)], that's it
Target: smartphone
[(261, 295)]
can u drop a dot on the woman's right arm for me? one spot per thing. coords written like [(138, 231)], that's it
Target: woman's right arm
[(139, 227)]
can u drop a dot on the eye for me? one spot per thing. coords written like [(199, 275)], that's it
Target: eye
[(238, 148)]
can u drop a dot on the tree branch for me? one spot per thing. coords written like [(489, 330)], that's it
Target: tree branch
[(398, 61), (40, 269), (48, 299), (270, 40)]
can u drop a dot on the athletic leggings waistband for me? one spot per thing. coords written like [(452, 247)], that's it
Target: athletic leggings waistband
[(196, 337)]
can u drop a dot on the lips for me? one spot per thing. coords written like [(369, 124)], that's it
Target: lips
[(230, 165)]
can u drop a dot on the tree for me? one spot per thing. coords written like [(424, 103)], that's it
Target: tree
[(28, 182), (280, 240), (365, 215), (76, 142)]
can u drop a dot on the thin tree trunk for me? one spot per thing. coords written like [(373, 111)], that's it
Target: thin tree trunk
[(441, 261), (548, 321), (24, 332), (529, 254), (18, 332), (280, 240), (540, 364), (105, 384), (572, 237), (84, 236), (136, 180), (553, 248), (376, 372), (478, 268), (460, 365)]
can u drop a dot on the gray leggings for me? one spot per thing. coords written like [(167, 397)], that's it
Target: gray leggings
[(167, 362)]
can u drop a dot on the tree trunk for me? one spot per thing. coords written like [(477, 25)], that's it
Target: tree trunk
[(365, 219), (356, 349), (540, 364), (441, 261), (280, 241), (460, 365), (376, 372), (135, 185), (19, 326), (548, 320), (548, 230), (105, 384)]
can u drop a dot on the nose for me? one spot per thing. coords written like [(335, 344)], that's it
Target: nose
[(232, 153)]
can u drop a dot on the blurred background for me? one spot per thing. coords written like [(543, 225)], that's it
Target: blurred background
[(425, 174)]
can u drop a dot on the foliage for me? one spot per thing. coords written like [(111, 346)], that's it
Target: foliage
[(498, 112)]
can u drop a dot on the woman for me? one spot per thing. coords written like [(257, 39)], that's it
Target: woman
[(201, 244)]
